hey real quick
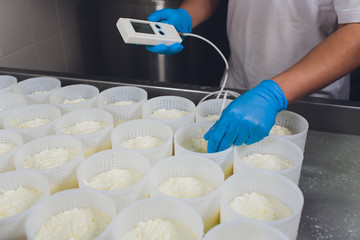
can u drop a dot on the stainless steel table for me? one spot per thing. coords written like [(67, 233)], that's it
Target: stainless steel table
[(330, 182), (330, 177)]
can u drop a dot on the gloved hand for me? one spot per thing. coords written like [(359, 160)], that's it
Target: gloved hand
[(247, 119), (181, 20)]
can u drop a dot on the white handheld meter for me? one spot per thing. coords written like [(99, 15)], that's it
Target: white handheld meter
[(147, 33)]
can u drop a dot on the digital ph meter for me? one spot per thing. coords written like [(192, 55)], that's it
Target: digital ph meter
[(142, 32)]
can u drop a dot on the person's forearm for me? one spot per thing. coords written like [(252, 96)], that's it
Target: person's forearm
[(333, 58), (199, 10)]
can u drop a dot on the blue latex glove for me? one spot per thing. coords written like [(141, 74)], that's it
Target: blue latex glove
[(247, 119), (181, 20)]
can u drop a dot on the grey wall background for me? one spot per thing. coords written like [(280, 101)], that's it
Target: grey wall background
[(45, 34), (80, 36)]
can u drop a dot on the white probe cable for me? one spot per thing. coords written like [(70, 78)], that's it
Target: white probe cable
[(225, 77)]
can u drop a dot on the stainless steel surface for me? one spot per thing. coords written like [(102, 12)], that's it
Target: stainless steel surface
[(330, 182), (330, 115), (330, 178)]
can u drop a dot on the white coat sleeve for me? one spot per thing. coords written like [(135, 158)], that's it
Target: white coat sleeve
[(348, 11)]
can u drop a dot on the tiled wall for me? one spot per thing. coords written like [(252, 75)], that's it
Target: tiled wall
[(44, 34)]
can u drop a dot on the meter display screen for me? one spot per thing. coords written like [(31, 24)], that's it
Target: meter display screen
[(142, 27)]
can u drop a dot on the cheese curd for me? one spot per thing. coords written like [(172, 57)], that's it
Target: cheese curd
[(196, 145), (268, 161), (33, 123), (260, 206), (121, 103), (280, 131), (114, 179), (212, 117), (142, 142), (169, 114), (6, 147), (17, 200), (186, 187), (49, 158), (75, 224), (158, 229), (76, 100), (85, 127)]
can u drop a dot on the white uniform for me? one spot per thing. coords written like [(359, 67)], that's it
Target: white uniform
[(268, 36)]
